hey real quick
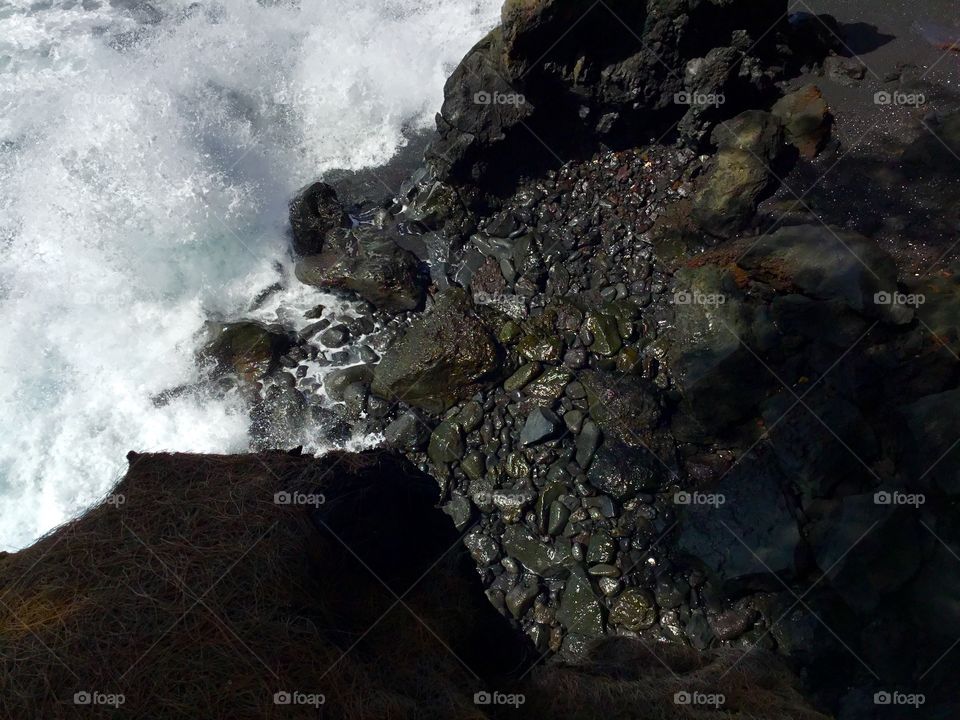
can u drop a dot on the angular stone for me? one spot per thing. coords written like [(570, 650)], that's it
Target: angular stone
[(446, 443), (249, 349), (587, 443), (538, 557), (806, 119), (523, 375), (548, 388), (521, 597), (483, 548), (600, 549), (314, 212), (580, 611), (542, 424)]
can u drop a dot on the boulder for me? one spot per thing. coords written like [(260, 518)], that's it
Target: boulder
[(314, 212), (806, 120), (739, 174), (447, 355), (933, 456), (368, 263), (574, 76), (868, 549), (622, 471), (249, 349), (829, 264), (741, 525)]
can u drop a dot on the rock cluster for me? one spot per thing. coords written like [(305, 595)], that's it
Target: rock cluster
[(650, 413)]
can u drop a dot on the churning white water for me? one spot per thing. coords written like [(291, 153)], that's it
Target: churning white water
[(147, 154)]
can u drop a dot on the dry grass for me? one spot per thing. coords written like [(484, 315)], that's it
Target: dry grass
[(200, 597)]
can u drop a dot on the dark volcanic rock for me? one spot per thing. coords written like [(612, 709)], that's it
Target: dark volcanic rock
[(622, 471), (544, 79), (739, 174), (741, 525), (249, 349), (313, 213), (447, 355), (369, 263)]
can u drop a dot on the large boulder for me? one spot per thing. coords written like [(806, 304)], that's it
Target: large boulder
[(447, 355), (247, 349), (739, 174), (368, 263), (830, 264), (558, 76), (314, 212), (806, 120)]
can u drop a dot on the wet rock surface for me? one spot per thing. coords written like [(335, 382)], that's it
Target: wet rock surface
[(653, 410)]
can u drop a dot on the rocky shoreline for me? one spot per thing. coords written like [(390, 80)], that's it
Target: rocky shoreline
[(660, 400), (654, 411)]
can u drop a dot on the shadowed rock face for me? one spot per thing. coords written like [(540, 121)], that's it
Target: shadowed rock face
[(542, 78)]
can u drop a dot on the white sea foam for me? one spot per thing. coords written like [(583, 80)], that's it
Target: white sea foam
[(147, 153)]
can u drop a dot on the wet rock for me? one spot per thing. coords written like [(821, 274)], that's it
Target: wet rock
[(369, 263), (739, 173), (587, 443), (407, 432), (622, 471), (580, 611), (447, 355), (314, 212), (336, 381), (446, 443), (624, 407), (600, 549), (524, 374), (606, 338), (549, 387), (470, 417), (248, 349), (733, 623), (719, 379), (483, 548), (806, 120), (741, 525), (829, 264), (538, 557), (542, 424), (521, 597), (458, 508), (634, 609), (335, 337), (541, 349)]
